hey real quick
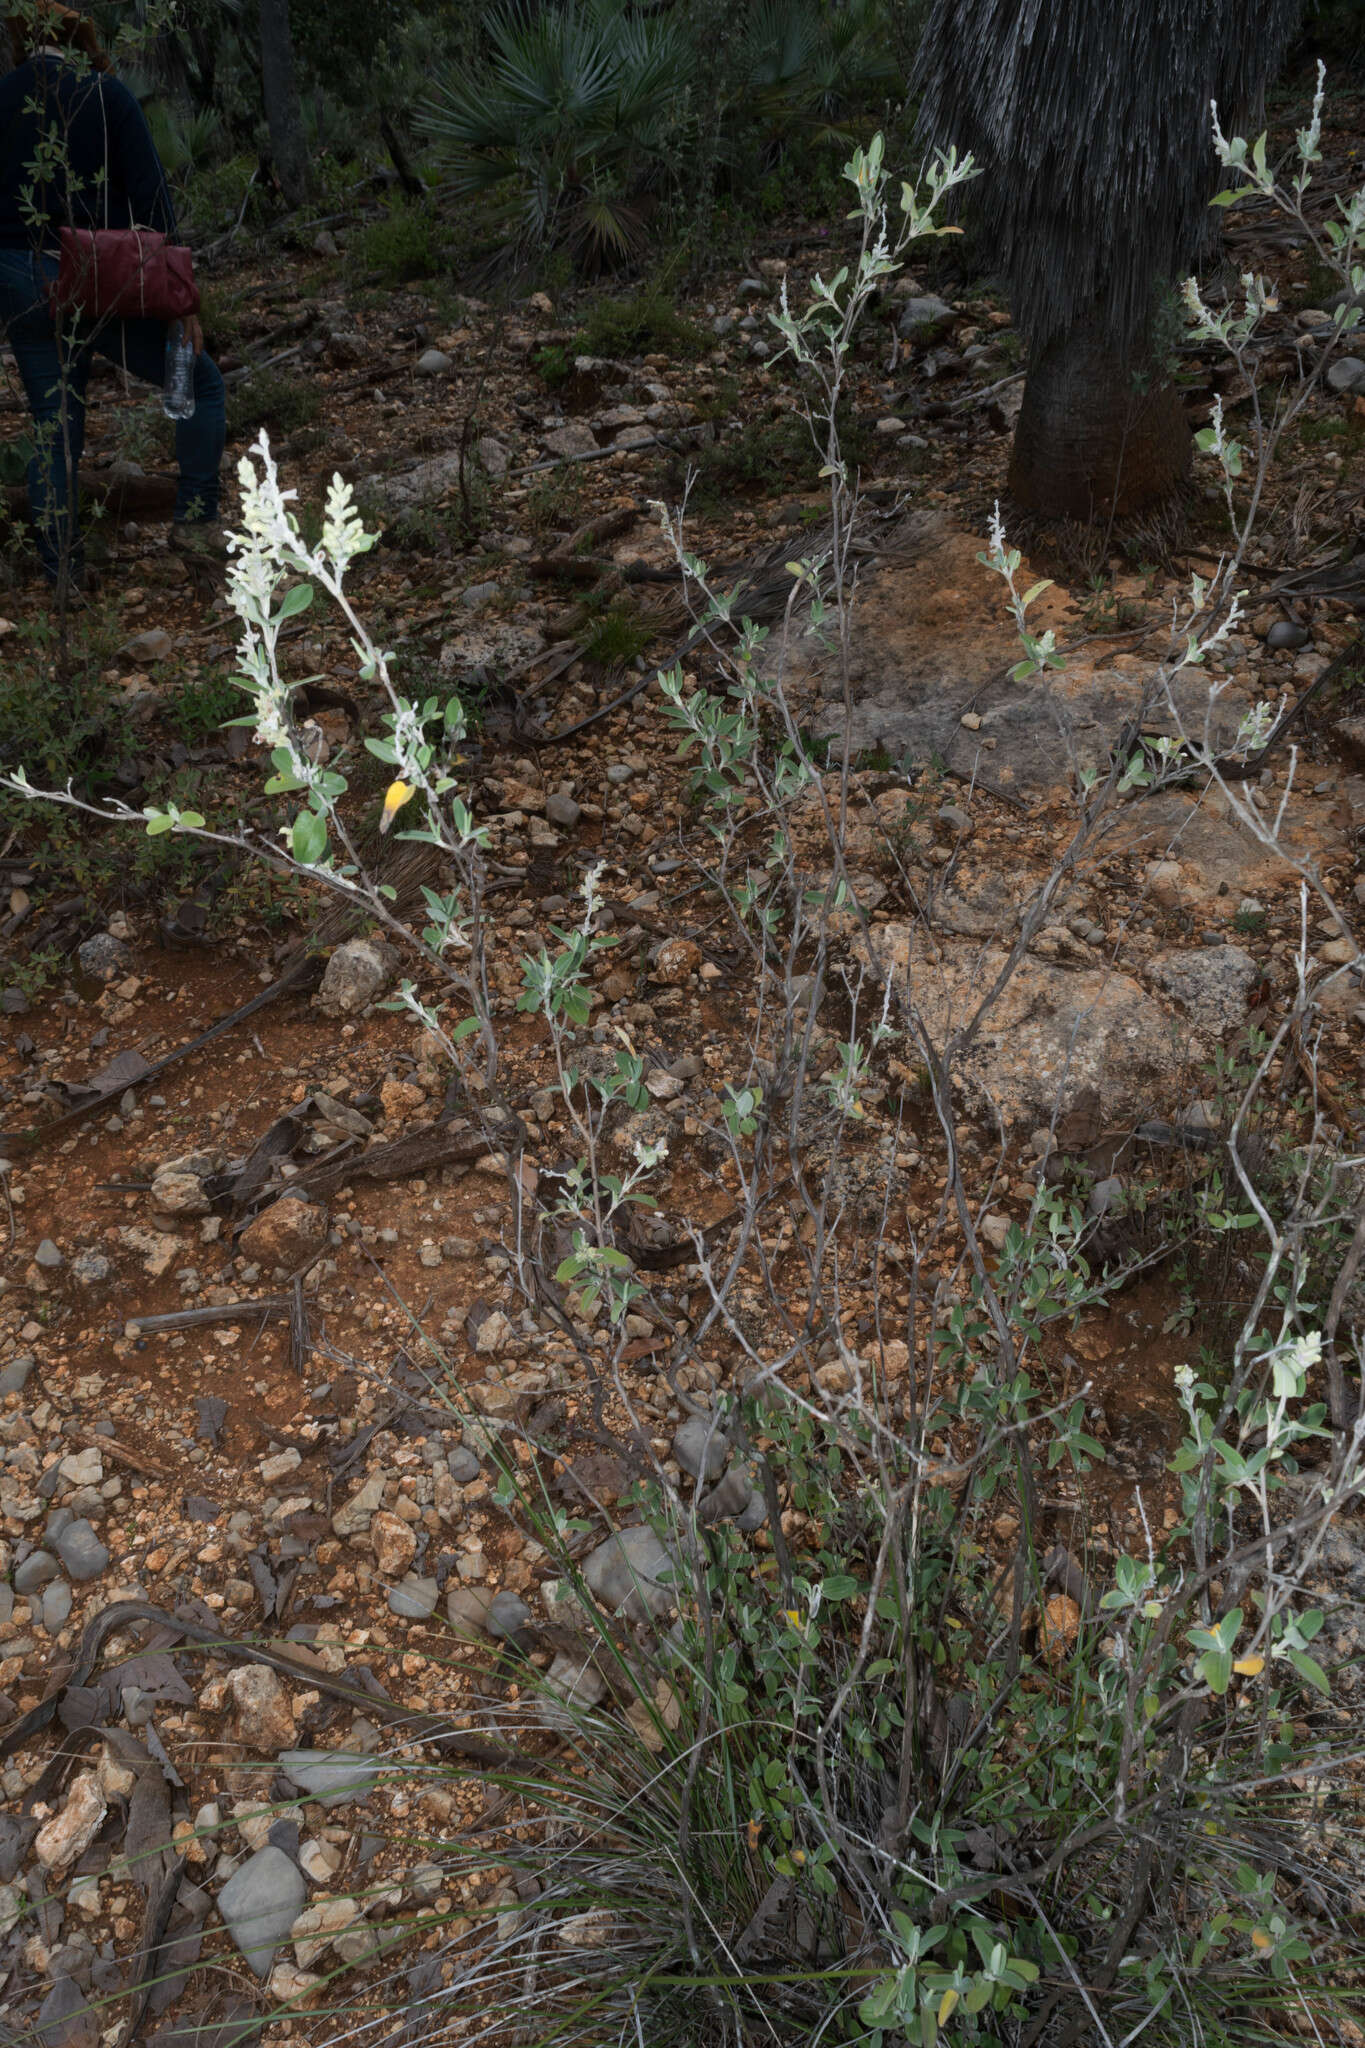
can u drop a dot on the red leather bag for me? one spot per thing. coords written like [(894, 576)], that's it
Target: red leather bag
[(124, 274)]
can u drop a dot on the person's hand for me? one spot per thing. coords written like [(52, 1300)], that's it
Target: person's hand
[(194, 333)]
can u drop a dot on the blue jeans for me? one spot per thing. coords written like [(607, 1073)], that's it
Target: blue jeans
[(54, 367)]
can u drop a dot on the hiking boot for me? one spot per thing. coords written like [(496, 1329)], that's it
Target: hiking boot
[(201, 537)]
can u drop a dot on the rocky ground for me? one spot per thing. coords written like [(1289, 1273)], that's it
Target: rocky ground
[(272, 1413)]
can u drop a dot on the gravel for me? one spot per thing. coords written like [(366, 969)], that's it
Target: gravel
[(562, 810)]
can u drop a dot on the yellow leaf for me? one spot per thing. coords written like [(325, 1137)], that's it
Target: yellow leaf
[(639, 1718), (1249, 1667), (395, 796), (946, 2004)]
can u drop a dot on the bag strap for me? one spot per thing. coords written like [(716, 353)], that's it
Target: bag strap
[(104, 117)]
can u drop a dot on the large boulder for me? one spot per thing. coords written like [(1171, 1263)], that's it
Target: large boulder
[(1053, 1034), (1210, 983)]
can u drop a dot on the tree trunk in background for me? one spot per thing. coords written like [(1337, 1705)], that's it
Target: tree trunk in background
[(1088, 442), (283, 114), (398, 157)]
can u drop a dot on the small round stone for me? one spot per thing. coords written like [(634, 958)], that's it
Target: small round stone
[(414, 1597), (103, 956), (507, 1615), (56, 1606), (81, 1551), (36, 1571)]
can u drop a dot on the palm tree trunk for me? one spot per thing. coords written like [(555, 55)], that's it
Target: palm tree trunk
[(1097, 433), (283, 114)]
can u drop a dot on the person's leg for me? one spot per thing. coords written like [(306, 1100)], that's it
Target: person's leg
[(54, 377), (140, 346)]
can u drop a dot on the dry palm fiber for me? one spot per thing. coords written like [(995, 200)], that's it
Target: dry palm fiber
[(1090, 119)]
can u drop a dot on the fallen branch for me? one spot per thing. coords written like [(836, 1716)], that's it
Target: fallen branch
[(588, 568), (591, 455), (132, 497), (254, 369), (110, 1447), (199, 1318), (420, 1151)]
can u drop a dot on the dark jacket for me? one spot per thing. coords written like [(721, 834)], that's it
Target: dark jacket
[(59, 127)]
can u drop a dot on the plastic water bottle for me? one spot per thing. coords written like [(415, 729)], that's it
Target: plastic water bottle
[(177, 392)]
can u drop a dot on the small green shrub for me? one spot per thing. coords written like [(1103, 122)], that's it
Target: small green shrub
[(569, 119), (59, 727), (201, 708), (220, 313), (15, 457), (216, 195), (143, 434), (44, 968), (645, 321), (437, 529), (555, 498), (553, 365), (768, 457), (406, 244), (272, 398), (184, 141), (64, 725), (617, 638)]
